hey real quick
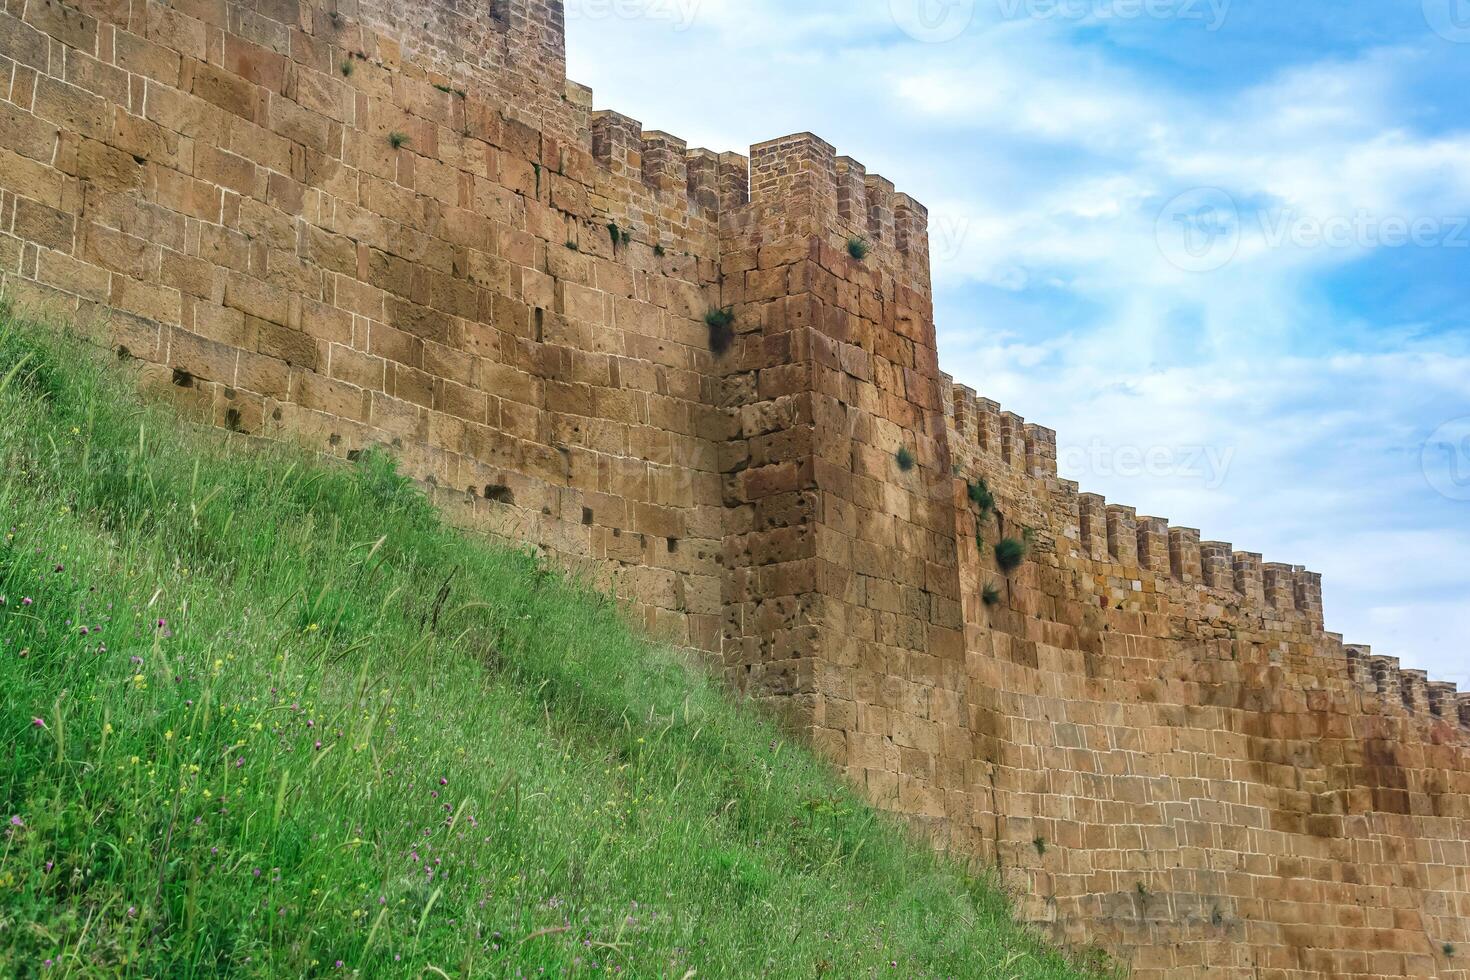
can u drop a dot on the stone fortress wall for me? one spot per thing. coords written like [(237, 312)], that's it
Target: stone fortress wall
[(365, 222)]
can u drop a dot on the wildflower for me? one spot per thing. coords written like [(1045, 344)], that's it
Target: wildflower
[(163, 624), (168, 736), (26, 601), (16, 821), (318, 745), (443, 781), (39, 722), (84, 631)]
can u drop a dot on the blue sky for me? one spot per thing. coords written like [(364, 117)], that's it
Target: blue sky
[(1222, 246)]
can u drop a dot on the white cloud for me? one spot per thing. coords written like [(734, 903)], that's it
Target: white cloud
[(1045, 167)]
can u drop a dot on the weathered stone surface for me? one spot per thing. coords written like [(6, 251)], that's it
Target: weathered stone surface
[(1151, 736)]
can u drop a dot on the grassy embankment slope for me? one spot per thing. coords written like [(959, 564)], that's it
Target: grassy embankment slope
[(265, 715)]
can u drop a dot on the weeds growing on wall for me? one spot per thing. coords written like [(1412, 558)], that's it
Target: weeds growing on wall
[(905, 459), (721, 324), (858, 247), (982, 498), (1009, 554)]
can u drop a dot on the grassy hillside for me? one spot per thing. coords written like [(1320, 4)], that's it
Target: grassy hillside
[(262, 715)]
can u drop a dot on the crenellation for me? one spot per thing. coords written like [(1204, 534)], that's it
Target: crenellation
[(966, 414), (797, 176), (1360, 668), (882, 218), (1153, 544), (1443, 698), (911, 232), (1123, 535), (617, 143), (1279, 582), (1309, 596), (1041, 451), (665, 168), (987, 424), (1013, 440), (1217, 565), (734, 182), (1186, 559), (1249, 578), (1387, 680), (1093, 526), (703, 169), (515, 301), (1415, 692), (852, 196)]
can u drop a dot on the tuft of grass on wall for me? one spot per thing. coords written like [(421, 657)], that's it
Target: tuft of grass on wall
[(721, 324), (905, 459), (1009, 554), (266, 715), (981, 497)]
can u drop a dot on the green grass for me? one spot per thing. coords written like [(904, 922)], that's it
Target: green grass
[(261, 713), (1010, 553)]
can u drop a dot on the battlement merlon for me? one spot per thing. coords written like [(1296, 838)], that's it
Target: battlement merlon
[(1006, 442), (799, 186)]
